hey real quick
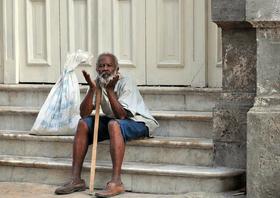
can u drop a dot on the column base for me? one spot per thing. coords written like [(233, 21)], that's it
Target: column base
[(263, 153)]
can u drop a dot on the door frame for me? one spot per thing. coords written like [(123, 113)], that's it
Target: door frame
[(9, 23)]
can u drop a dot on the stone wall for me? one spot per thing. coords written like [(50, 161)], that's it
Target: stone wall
[(251, 65), (263, 163), (228, 10), (239, 86), (239, 83)]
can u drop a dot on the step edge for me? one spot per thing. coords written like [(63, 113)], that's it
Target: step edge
[(144, 89), (157, 114), (202, 143), (143, 168)]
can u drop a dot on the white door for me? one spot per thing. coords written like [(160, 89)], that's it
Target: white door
[(79, 30), (97, 26), (38, 40), (176, 47), (158, 42), (53, 28), (128, 38)]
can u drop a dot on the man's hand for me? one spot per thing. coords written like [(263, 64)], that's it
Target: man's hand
[(92, 84), (117, 108), (111, 85)]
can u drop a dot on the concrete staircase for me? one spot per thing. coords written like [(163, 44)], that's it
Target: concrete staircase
[(179, 159)]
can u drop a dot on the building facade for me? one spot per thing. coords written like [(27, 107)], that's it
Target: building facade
[(168, 42), (175, 39)]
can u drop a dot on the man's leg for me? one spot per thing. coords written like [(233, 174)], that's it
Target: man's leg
[(117, 149), (80, 148)]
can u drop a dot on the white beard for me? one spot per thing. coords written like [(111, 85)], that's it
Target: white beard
[(105, 79)]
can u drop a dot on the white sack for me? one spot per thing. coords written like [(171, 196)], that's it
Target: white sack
[(59, 114)]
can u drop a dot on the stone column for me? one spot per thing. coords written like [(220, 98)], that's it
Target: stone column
[(239, 82), (263, 141)]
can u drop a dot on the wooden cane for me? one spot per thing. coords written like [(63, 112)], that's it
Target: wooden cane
[(95, 137)]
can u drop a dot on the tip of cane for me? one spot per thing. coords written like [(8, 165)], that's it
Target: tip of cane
[(91, 193)]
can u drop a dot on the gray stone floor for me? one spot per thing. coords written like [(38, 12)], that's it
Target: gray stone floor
[(19, 190)]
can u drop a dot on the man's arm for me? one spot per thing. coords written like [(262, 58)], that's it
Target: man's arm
[(87, 106), (117, 108)]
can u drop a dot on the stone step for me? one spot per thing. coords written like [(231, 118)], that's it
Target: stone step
[(172, 123), (189, 151), (156, 98), (137, 177)]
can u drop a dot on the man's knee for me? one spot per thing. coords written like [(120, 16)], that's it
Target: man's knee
[(113, 126), (82, 127)]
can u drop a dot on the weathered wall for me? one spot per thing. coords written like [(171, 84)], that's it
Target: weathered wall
[(263, 169), (239, 82), (228, 10), (262, 10), (239, 86), (263, 163)]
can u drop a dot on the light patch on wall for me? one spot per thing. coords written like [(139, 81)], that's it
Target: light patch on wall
[(229, 47), (266, 88), (275, 15), (261, 102), (259, 14)]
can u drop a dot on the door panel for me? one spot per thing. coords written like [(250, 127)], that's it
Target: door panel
[(129, 37), (97, 26), (214, 52), (176, 42), (39, 42), (124, 35), (1, 44), (79, 22)]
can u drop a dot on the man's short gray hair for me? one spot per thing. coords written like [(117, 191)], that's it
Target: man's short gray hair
[(114, 58)]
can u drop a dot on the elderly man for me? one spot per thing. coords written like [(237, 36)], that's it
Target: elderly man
[(126, 118)]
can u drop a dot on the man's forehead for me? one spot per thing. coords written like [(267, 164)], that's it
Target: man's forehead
[(106, 57)]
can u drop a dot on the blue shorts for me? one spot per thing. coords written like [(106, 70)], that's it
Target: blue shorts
[(130, 129)]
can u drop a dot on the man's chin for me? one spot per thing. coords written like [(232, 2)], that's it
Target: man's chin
[(105, 76), (104, 81)]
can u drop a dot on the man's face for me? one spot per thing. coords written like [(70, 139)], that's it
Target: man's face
[(106, 69)]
